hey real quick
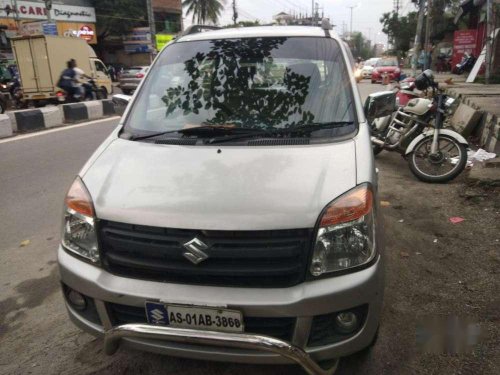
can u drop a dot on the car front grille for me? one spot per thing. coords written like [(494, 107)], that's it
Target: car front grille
[(272, 259), (280, 328)]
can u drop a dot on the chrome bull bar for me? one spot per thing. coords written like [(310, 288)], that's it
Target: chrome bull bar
[(113, 336)]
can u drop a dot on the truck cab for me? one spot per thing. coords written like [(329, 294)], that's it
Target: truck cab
[(42, 58)]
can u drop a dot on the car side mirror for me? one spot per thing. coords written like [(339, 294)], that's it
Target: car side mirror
[(380, 104), (120, 102), (121, 99)]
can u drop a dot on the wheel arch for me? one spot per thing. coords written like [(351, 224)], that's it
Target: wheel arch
[(450, 133)]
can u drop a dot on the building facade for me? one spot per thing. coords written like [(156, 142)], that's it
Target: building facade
[(67, 18)]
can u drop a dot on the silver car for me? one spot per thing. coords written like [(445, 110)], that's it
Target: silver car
[(233, 213), (131, 78)]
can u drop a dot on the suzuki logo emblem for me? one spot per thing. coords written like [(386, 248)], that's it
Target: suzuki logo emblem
[(194, 250)]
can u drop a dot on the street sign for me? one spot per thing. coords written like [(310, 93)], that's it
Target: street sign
[(49, 29)]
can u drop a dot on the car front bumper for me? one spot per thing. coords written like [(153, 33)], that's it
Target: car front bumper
[(380, 76), (303, 302)]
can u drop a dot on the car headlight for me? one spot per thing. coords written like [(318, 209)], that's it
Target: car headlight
[(79, 233), (346, 233)]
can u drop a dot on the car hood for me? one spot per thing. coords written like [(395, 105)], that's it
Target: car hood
[(219, 188), (367, 68)]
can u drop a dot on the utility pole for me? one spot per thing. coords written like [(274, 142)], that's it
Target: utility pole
[(235, 13), (351, 8), (418, 41), (16, 15), (48, 7), (396, 7), (489, 40), (428, 27), (313, 13), (152, 26)]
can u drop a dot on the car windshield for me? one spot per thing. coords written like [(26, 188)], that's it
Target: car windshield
[(370, 62), (387, 62), (259, 83)]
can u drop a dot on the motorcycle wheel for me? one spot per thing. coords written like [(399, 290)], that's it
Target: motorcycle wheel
[(444, 166), (102, 93), (2, 106)]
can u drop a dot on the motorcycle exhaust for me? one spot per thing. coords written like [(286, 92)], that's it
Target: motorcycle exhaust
[(377, 141)]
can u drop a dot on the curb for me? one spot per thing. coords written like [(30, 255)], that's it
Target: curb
[(30, 120), (84, 111), (477, 120)]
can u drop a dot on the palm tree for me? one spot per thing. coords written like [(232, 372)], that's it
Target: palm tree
[(204, 10)]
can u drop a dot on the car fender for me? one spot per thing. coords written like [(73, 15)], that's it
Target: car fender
[(450, 133)]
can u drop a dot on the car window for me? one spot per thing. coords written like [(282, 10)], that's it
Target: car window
[(100, 67), (387, 62), (255, 82)]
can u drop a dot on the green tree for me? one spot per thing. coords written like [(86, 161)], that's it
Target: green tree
[(204, 11), (360, 47), (118, 17), (400, 30)]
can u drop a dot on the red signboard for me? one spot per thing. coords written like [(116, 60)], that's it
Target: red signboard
[(86, 32), (464, 41)]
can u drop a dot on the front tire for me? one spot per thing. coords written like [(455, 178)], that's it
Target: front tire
[(102, 93), (444, 166)]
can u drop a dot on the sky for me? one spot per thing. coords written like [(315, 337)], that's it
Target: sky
[(366, 13)]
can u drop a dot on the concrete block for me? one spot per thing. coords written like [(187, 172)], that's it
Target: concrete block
[(493, 144), (465, 119), (75, 112), (485, 176), (484, 129), (52, 116), (29, 120), (5, 126), (12, 118), (108, 108), (94, 109)]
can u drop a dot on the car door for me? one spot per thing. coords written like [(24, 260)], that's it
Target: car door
[(101, 75)]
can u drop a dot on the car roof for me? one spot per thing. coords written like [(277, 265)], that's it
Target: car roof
[(259, 32)]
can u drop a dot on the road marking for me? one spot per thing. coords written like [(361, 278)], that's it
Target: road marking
[(55, 130)]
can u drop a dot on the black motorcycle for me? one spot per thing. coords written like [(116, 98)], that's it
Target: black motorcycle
[(466, 65), (90, 92)]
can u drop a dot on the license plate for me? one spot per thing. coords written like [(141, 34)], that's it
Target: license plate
[(194, 317)]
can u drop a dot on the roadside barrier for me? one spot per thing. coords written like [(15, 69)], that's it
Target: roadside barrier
[(29, 120), (84, 111), (5, 126), (35, 119)]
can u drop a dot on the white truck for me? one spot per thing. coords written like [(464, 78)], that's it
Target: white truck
[(42, 58)]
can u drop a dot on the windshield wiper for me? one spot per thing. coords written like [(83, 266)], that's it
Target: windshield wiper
[(314, 126), (207, 130)]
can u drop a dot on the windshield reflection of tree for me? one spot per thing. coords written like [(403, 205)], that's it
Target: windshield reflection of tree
[(234, 94)]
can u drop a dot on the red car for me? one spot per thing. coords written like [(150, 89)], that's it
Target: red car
[(386, 66)]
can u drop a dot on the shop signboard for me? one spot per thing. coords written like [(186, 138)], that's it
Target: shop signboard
[(49, 28), (163, 39), (139, 41), (36, 11), (464, 41)]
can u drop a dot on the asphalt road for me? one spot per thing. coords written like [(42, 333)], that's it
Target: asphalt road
[(433, 267)]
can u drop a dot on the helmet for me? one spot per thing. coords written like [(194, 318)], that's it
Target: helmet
[(424, 80)]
